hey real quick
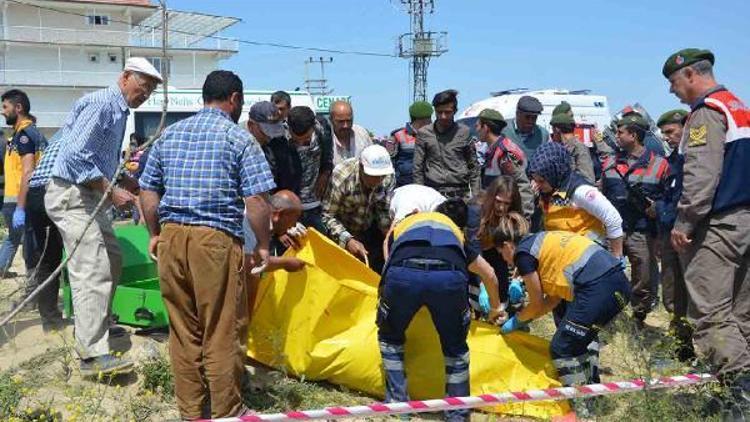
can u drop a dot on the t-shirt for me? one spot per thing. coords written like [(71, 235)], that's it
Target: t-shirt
[(412, 197)]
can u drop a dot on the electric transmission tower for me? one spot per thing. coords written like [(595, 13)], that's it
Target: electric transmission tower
[(420, 45), (317, 87)]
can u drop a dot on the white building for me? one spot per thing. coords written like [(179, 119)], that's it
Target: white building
[(56, 51)]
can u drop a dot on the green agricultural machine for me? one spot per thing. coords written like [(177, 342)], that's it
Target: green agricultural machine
[(137, 301)]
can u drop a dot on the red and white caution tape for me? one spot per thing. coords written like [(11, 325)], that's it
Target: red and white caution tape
[(451, 403)]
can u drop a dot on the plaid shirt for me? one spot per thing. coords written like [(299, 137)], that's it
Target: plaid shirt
[(92, 138), (43, 171), (347, 210), (202, 167)]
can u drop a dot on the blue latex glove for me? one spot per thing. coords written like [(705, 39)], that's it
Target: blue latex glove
[(484, 300), (19, 218), (623, 262), (511, 324), (516, 291)]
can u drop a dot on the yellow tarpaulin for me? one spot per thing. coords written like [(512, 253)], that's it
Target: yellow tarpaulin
[(320, 324)]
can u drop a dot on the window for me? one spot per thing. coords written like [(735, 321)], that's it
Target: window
[(93, 57), (163, 68), (96, 20), (112, 58)]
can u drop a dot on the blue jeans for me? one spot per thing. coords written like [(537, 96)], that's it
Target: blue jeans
[(403, 292), (14, 238)]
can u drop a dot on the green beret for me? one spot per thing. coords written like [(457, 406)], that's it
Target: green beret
[(420, 110), (562, 119), (672, 116), (492, 115), (633, 120), (563, 107), (684, 58)]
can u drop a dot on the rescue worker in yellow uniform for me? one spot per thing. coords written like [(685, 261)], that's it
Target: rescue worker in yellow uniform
[(21, 156), (562, 266), (428, 266), (712, 229)]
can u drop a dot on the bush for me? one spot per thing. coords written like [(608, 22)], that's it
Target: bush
[(10, 394), (157, 377)]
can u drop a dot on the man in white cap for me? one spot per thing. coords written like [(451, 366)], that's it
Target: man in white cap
[(355, 208), (79, 166)]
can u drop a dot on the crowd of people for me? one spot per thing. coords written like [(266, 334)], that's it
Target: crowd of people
[(504, 222)]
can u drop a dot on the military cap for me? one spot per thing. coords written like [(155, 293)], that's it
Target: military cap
[(529, 104), (685, 57), (493, 116), (562, 119), (633, 120), (672, 116), (420, 110), (563, 107)]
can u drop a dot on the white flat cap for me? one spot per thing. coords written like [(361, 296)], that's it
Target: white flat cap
[(141, 65)]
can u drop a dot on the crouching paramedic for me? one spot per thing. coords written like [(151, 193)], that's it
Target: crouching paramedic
[(558, 266), (439, 282)]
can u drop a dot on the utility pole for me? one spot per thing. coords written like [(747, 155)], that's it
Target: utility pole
[(420, 45), (317, 87)]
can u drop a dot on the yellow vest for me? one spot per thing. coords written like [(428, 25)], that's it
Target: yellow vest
[(560, 255), (435, 220), (12, 164), (559, 215)]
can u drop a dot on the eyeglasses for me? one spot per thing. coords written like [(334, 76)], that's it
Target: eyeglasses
[(148, 86)]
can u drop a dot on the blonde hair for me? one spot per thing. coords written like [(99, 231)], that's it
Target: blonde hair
[(511, 228)]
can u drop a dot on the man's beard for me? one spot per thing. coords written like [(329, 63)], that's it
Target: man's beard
[(11, 120)]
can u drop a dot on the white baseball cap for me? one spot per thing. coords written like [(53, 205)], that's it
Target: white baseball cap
[(376, 161), (141, 65)]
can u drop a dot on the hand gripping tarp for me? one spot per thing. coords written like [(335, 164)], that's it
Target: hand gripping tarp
[(320, 324)]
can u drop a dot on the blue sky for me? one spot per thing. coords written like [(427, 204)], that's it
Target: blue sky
[(615, 48)]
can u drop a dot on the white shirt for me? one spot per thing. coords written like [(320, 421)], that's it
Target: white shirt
[(359, 141), (595, 203), (410, 198)]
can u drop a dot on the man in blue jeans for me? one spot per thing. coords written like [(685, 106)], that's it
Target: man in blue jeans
[(411, 280)]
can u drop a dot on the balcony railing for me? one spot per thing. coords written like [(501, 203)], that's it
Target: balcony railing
[(149, 38), (75, 78)]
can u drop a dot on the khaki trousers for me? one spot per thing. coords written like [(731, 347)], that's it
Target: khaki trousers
[(94, 269), (674, 292), (200, 271), (639, 248), (718, 284)]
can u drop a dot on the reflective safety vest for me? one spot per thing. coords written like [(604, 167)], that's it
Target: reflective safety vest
[(561, 256), (649, 171), (434, 228), (404, 160), (25, 131), (559, 214), (502, 157), (735, 173)]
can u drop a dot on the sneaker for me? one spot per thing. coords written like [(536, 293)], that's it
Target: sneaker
[(53, 325), (105, 364), (117, 331)]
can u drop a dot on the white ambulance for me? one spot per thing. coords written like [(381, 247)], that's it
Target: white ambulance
[(184, 103), (591, 111)]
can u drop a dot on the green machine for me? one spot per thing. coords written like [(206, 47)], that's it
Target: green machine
[(137, 299)]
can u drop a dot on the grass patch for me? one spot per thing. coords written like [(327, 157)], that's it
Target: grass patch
[(156, 375), (11, 393)]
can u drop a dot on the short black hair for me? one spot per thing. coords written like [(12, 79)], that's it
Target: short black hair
[(449, 96), (220, 85), (16, 96), (280, 96), (565, 128), (301, 119), (495, 128), (455, 209)]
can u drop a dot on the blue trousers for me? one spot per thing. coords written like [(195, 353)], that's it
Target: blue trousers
[(574, 346), (403, 292), (15, 237)]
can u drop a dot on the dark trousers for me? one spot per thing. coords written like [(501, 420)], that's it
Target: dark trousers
[(594, 305), (372, 239), (674, 293), (403, 292), (47, 255), (640, 248), (14, 239)]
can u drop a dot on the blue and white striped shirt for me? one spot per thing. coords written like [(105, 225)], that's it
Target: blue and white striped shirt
[(203, 167), (92, 139), (43, 171)]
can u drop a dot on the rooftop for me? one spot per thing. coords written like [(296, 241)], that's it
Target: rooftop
[(141, 3)]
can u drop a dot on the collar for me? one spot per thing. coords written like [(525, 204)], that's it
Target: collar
[(515, 128), (410, 129), (441, 132), (22, 124), (119, 98), (702, 98), (218, 112)]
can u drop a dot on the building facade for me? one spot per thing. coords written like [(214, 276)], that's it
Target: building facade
[(57, 51)]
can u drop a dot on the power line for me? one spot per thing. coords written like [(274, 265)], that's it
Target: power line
[(221, 38)]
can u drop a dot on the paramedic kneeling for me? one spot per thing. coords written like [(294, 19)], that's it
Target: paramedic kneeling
[(412, 280), (558, 266)]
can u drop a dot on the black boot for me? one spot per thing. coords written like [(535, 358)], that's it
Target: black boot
[(737, 407)]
